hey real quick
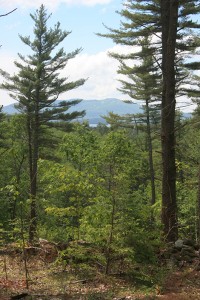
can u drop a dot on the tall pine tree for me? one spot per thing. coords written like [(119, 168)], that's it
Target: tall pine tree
[(36, 87), (143, 85), (172, 34)]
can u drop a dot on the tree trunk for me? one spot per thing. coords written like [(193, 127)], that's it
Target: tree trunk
[(111, 189), (33, 162), (169, 19), (33, 191), (18, 169), (33, 209), (198, 208), (150, 152), (110, 239)]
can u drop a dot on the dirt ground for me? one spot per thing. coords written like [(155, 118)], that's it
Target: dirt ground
[(47, 281), (182, 285)]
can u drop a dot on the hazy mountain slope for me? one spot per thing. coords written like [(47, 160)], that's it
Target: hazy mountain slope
[(95, 109)]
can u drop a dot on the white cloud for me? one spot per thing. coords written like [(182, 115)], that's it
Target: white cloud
[(6, 64), (50, 3), (101, 73), (100, 69)]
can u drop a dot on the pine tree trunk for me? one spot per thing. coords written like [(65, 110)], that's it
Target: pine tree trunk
[(32, 204), (150, 152), (111, 189), (169, 18), (198, 208), (110, 239), (33, 194), (33, 162), (33, 209)]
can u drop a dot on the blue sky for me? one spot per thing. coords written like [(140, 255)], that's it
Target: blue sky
[(84, 18)]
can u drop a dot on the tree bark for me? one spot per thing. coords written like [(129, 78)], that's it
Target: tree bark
[(150, 152), (33, 162), (169, 20), (198, 207)]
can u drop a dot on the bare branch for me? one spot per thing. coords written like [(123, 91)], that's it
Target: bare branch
[(10, 12)]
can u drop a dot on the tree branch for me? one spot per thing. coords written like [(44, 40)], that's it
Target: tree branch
[(10, 12)]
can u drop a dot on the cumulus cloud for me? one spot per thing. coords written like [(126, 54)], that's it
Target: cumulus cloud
[(7, 65), (50, 3), (100, 69), (101, 73)]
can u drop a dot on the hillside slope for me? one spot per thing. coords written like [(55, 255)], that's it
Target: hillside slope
[(95, 109)]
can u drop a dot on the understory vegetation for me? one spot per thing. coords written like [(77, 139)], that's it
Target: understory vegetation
[(94, 211)]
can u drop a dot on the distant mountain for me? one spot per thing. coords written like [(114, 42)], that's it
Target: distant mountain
[(95, 109), (10, 109)]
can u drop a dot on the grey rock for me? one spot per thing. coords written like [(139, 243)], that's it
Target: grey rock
[(178, 244)]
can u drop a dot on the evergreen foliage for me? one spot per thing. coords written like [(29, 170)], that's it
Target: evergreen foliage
[(36, 87), (169, 34)]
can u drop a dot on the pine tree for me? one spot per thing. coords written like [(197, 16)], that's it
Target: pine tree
[(143, 85), (2, 116), (194, 93), (36, 87), (169, 19), (173, 37)]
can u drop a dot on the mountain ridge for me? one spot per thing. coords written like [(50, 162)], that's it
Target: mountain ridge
[(95, 109)]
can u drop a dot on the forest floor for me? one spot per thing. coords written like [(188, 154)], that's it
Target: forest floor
[(48, 280)]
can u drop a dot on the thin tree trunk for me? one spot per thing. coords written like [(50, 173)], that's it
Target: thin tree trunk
[(198, 208), (169, 19), (111, 189), (34, 153), (23, 249), (32, 204), (150, 152), (110, 240), (18, 178), (33, 189), (33, 194)]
